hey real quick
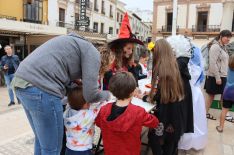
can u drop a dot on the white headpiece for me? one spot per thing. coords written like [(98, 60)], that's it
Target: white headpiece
[(181, 46)]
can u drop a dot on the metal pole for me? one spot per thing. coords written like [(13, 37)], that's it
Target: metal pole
[(174, 20)]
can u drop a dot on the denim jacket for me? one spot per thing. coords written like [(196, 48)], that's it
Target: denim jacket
[(5, 60)]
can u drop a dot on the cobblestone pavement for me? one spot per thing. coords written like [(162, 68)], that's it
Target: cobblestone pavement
[(22, 145)]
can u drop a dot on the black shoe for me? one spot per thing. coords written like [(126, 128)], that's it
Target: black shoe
[(11, 103), (18, 101)]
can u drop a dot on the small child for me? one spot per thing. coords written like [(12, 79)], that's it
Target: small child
[(79, 123), (121, 122), (228, 94), (141, 66), (143, 59)]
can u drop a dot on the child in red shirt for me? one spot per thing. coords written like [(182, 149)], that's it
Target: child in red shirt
[(121, 122)]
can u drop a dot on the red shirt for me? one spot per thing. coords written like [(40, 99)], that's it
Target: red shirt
[(122, 136)]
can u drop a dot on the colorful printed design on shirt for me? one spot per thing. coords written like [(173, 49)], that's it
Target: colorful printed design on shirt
[(80, 128), (76, 143), (90, 132), (77, 128)]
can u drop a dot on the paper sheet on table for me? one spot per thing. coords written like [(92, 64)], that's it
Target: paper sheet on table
[(147, 106), (142, 84)]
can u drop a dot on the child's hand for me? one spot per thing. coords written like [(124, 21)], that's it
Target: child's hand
[(138, 94), (218, 82), (78, 82), (146, 93)]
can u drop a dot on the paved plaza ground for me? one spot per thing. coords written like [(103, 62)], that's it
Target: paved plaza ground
[(16, 137)]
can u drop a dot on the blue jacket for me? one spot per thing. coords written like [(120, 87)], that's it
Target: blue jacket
[(5, 60), (229, 88)]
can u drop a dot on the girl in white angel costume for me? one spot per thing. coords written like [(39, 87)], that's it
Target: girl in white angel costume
[(198, 139)]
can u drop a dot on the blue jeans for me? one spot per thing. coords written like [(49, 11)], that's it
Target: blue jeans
[(71, 152), (45, 114), (8, 79)]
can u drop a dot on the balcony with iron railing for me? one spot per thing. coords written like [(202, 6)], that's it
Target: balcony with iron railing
[(87, 32), (168, 28), (7, 17), (73, 26), (111, 15), (206, 28), (103, 11), (205, 31), (63, 24)]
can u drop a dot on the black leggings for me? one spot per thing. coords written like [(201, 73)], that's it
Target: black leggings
[(169, 146)]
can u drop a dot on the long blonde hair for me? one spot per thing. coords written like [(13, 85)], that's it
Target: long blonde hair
[(106, 57), (165, 68)]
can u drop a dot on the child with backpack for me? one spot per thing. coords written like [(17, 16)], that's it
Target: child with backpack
[(228, 98), (216, 75)]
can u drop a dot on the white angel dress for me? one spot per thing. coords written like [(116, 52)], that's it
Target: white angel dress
[(198, 139)]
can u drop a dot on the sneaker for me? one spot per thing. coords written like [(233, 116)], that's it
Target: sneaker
[(11, 103)]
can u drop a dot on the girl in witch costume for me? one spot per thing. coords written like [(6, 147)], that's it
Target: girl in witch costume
[(123, 49)]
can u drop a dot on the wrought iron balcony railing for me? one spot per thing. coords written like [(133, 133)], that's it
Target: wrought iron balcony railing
[(7, 17), (206, 28), (168, 28)]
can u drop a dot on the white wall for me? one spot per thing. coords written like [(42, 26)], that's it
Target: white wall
[(70, 13), (100, 18), (216, 13), (215, 16), (161, 12), (192, 15), (146, 30), (182, 14), (227, 16), (53, 12)]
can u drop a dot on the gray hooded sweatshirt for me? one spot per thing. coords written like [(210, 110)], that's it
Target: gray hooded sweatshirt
[(53, 65)]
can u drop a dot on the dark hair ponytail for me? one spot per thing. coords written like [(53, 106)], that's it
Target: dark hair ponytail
[(224, 33)]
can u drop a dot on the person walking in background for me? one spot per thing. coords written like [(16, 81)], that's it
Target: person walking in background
[(217, 69), (228, 94), (9, 64)]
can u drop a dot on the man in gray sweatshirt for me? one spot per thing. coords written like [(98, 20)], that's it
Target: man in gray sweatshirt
[(41, 80)]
